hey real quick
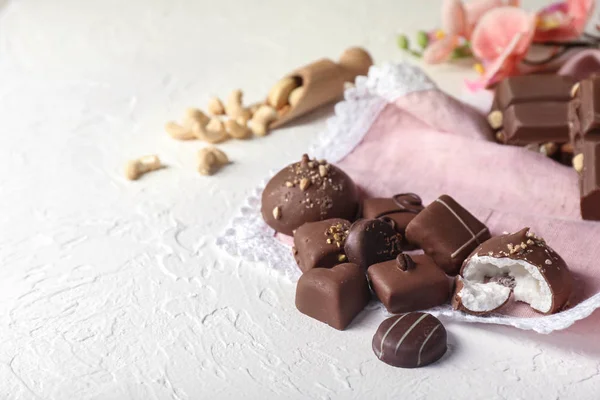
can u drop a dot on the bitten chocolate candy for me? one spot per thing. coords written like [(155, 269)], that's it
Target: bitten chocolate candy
[(321, 244), (409, 283), (447, 233), (410, 340), (371, 241), (333, 296), (308, 191), (540, 276), (400, 209)]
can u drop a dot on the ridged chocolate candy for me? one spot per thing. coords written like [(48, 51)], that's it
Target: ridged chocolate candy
[(410, 340), (308, 191)]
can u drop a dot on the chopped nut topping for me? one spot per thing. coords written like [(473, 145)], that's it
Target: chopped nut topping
[(304, 184), (277, 212), (342, 258), (289, 184), (322, 170), (548, 262), (336, 234), (311, 164), (523, 245), (530, 242)]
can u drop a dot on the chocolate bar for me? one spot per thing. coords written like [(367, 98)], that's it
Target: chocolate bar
[(532, 109), (447, 233), (589, 179)]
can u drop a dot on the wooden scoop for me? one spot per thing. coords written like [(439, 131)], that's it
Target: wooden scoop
[(322, 82)]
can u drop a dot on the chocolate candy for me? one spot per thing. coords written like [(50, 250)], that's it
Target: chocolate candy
[(410, 340), (539, 275), (399, 210), (585, 139), (532, 109), (308, 191), (447, 233), (333, 296), (371, 241), (321, 244), (589, 181), (409, 283)]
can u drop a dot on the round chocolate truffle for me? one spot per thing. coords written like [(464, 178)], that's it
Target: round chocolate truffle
[(372, 241), (410, 340), (308, 191)]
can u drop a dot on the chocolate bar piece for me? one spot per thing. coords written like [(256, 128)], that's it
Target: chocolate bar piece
[(532, 109), (321, 244), (590, 179), (333, 296), (399, 210), (526, 123), (409, 283), (447, 233), (587, 106), (410, 340)]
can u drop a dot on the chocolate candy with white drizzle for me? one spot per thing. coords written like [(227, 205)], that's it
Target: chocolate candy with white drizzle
[(410, 340), (447, 233), (398, 211)]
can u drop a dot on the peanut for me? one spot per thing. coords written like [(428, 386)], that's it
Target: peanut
[(138, 167), (280, 92), (495, 119), (578, 162)]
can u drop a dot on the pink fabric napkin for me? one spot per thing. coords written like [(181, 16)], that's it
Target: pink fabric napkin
[(431, 144)]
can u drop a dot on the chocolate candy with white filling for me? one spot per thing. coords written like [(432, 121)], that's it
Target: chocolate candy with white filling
[(321, 244), (371, 241), (308, 191), (447, 232), (409, 283), (541, 277), (410, 340), (333, 296), (398, 210)]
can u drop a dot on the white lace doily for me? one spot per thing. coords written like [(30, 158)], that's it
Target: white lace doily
[(250, 238)]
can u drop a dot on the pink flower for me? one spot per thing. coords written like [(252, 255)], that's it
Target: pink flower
[(501, 40), (563, 20), (458, 21), (454, 25)]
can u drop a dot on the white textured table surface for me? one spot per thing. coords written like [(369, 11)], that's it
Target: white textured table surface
[(115, 290)]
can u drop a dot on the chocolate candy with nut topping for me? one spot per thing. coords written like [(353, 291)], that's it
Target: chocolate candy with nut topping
[(333, 296), (410, 340), (540, 276), (409, 283), (308, 191), (371, 241), (398, 210), (447, 232), (321, 244)]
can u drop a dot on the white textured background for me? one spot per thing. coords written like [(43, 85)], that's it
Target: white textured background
[(115, 290)]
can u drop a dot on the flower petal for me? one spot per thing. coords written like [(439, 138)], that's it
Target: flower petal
[(441, 50), (563, 21), (496, 30), (454, 19)]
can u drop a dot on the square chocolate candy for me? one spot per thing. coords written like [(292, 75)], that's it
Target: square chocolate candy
[(333, 296), (409, 283), (321, 244), (447, 233)]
